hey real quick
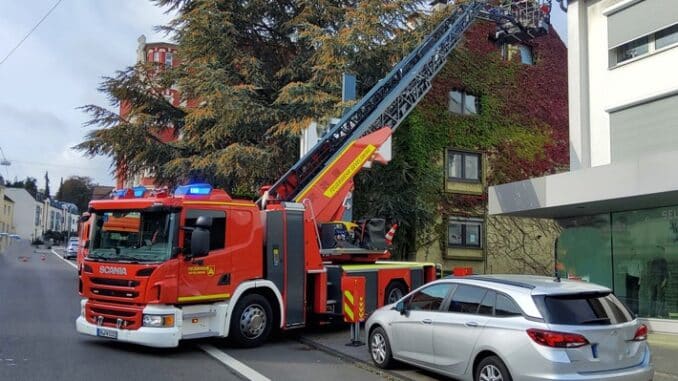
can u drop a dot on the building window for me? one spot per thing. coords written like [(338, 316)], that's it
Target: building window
[(643, 46), (509, 51), (632, 50), (168, 59), (465, 232), (464, 166), (462, 103), (156, 57), (666, 37)]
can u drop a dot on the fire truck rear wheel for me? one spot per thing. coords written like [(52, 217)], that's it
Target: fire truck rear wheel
[(252, 321), (395, 290)]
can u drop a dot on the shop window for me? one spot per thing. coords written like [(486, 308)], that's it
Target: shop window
[(645, 253), (465, 232), (462, 103), (463, 166)]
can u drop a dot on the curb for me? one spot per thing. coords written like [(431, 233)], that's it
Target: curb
[(357, 361)]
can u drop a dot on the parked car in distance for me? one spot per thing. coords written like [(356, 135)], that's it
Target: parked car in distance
[(512, 327), (72, 248)]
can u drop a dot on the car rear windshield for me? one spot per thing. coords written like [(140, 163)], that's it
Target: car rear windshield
[(583, 309)]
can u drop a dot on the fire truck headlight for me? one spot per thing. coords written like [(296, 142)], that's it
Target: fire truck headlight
[(158, 321)]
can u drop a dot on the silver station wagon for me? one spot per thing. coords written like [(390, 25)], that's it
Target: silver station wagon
[(512, 327)]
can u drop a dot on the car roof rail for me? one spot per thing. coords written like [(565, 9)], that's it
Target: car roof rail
[(501, 281)]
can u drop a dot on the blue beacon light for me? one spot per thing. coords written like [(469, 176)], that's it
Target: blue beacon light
[(139, 191), (194, 190)]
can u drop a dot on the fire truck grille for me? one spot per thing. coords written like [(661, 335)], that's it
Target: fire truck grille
[(115, 282), (110, 316), (114, 293)]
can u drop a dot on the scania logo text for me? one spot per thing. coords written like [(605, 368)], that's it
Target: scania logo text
[(112, 270)]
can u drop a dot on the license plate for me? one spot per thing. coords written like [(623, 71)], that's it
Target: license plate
[(109, 333)]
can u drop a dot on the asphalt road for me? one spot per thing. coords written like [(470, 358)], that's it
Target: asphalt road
[(38, 307)]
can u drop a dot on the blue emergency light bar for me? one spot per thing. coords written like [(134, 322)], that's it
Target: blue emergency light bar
[(136, 192), (139, 191), (120, 193), (193, 190)]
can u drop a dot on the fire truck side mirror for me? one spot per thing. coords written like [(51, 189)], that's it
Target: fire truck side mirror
[(200, 242)]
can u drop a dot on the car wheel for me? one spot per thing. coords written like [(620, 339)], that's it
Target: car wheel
[(380, 348), (492, 369), (394, 292), (251, 321)]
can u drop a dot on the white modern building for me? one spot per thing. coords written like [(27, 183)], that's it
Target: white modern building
[(24, 213), (618, 205)]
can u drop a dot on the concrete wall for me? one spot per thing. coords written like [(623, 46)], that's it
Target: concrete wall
[(511, 245)]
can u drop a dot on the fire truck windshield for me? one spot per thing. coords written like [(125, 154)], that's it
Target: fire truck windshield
[(132, 235)]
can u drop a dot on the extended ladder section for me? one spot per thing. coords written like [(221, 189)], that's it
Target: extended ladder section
[(394, 96)]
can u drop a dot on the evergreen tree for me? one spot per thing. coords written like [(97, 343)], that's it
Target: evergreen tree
[(76, 190), (30, 184), (260, 71), (47, 192)]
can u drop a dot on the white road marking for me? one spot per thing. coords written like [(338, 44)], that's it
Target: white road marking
[(235, 365), (64, 259)]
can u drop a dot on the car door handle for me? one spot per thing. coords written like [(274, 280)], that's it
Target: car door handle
[(427, 321), (471, 324)]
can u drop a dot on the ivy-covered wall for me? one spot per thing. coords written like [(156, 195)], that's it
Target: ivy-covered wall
[(522, 131)]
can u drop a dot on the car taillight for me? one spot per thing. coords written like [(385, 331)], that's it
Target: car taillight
[(557, 339), (641, 333)]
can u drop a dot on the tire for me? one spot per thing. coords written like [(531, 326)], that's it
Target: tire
[(380, 348), (395, 290), (491, 368), (251, 321)]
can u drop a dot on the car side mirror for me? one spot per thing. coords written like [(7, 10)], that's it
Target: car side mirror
[(400, 307), (200, 242)]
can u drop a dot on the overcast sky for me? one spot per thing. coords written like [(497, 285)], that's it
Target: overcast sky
[(58, 69)]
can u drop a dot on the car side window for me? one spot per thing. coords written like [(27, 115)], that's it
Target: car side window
[(487, 305), (430, 298), (505, 307), (466, 299)]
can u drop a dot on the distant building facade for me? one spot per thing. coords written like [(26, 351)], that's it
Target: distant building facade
[(165, 55), (33, 218), (7, 210)]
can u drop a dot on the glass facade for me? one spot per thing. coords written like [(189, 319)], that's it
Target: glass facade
[(634, 252)]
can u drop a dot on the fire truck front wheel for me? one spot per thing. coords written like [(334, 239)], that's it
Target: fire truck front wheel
[(252, 321)]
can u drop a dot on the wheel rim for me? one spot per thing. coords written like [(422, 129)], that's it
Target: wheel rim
[(491, 373), (395, 295), (253, 321), (378, 348)]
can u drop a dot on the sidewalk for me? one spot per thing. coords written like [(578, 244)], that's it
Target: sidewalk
[(333, 340)]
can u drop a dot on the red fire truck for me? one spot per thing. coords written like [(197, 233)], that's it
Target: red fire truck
[(160, 267)]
